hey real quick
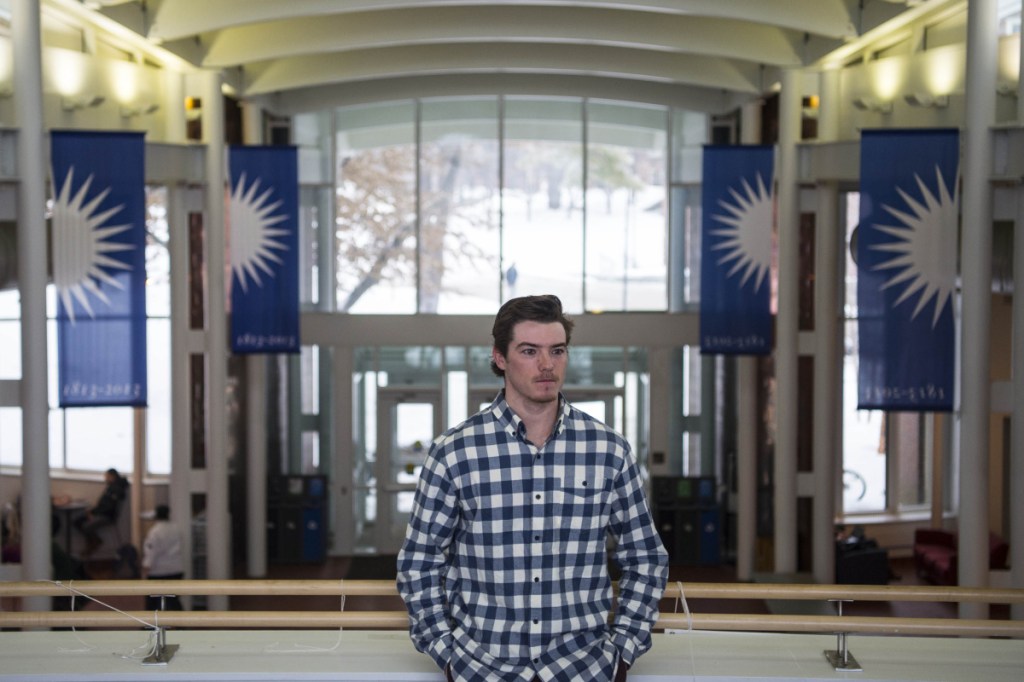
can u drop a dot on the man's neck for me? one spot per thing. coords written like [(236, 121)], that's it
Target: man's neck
[(539, 418)]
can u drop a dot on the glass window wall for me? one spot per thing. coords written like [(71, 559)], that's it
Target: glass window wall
[(542, 199), (626, 208), (459, 240), (453, 205), (95, 439), (377, 208), (886, 467)]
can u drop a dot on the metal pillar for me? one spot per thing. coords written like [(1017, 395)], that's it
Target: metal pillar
[(218, 526), (787, 322), (976, 275), (746, 414), (827, 384), (35, 476), (828, 335), (256, 414)]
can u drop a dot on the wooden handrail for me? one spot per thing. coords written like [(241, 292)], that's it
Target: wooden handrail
[(386, 588), (399, 620)]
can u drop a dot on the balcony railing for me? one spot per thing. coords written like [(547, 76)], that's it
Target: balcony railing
[(375, 619)]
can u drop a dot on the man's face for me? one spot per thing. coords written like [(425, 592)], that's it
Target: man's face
[(536, 361)]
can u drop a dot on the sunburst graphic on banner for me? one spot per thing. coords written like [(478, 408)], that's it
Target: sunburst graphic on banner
[(253, 235), (925, 252), (81, 246), (748, 232)]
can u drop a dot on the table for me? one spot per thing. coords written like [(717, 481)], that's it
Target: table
[(67, 513)]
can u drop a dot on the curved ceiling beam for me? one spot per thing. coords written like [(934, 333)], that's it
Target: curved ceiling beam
[(319, 98), (361, 65), (302, 36), (176, 19)]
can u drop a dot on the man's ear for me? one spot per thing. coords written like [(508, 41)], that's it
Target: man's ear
[(499, 359)]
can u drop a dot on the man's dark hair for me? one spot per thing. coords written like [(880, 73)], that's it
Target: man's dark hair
[(546, 308), (163, 512)]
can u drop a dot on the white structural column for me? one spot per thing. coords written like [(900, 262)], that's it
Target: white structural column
[(976, 275), (181, 460), (35, 449), (1016, 473), (174, 106), (827, 388), (1016, 500), (1020, 80), (218, 526), (827, 340), (746, 413), (256, 414), (787, 322)]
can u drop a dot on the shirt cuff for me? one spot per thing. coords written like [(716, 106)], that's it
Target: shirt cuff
[(627, 651), (441, 651)]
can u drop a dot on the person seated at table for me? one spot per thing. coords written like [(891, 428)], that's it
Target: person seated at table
[(10, 540), (106, 510), (161, 558)]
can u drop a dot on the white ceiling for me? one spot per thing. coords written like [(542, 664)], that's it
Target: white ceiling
[(704, 54)]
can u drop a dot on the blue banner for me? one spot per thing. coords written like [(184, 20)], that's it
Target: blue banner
[(263, 221), (736, 250), (99, 267), (906, 268)]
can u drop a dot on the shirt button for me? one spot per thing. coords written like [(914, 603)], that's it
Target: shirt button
[(535, 621), (537, 496), (536, 580), (536, 537)]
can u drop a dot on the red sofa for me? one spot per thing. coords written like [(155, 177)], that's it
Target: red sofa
[(935, 555)]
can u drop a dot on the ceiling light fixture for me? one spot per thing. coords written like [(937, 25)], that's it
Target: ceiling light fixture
[(924, 99), (139, 110), (81, 102), (1007, 88), (870, 104)]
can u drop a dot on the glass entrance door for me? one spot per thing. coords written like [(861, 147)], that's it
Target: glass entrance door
[(407, 423)]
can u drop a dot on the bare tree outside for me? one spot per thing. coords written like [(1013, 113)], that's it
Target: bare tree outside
[(376, 225)]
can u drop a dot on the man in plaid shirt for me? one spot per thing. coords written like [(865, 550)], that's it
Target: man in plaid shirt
[(504, 568)]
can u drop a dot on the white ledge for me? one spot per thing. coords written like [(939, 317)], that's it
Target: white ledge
[(378, 656)]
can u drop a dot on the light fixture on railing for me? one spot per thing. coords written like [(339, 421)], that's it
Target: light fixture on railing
[(139, 110), (924, 99), (871, 104), (74, 103)]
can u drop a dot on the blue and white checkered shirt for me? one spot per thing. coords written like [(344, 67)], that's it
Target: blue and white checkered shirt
[(504, 568)]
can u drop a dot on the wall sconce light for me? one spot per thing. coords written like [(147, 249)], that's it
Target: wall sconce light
[(1007, 89), (869, 104), (6, 90), (924, 99), (809, 106), (139, 110), (81, 102)]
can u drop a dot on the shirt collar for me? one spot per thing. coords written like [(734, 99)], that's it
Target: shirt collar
[(501, 411)]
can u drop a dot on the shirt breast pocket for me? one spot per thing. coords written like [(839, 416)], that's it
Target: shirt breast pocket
[(583, 493)]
